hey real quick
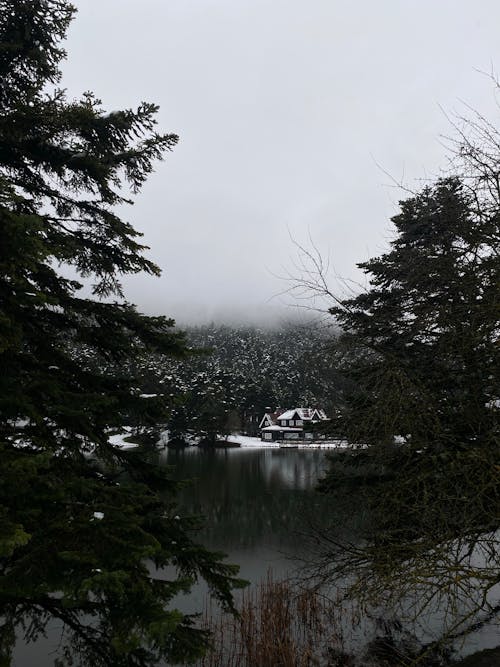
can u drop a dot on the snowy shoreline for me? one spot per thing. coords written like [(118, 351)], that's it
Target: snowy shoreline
[(243, 441)]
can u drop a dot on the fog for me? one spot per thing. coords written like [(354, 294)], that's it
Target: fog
[(294, 117)]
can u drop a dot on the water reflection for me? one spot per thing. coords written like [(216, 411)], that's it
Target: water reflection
[(257, 503)]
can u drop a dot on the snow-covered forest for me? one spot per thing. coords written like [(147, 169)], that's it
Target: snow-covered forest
[(240, 371)]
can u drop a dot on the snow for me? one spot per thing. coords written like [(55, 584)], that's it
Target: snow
[(117, 440), (329, 444), (290, 414), (164, 438), (99, 516), (148, 395), (305, 414), (249, 441)]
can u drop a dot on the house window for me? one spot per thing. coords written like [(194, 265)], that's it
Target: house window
[(298, 422), (291, 436), (268, 436)]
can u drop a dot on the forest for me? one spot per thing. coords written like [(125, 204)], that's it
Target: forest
[(238, 373)]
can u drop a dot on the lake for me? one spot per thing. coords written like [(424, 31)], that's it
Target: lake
[(258, 504)]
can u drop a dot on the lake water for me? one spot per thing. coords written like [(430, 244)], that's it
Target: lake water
[(257, 503), (259, 506)]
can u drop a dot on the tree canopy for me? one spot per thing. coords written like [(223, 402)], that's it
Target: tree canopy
[(422, 358), (426, 331), (240, 372), (84, 525)]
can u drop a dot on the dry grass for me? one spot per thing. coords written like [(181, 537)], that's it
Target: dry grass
[(279, 625), (282, 624)]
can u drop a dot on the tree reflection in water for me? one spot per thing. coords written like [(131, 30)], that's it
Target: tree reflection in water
[(429, 555), (251, 498)]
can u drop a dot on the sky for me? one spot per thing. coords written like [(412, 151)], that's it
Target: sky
[(296, 119)]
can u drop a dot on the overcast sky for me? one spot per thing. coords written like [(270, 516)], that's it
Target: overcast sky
[(286, 111)]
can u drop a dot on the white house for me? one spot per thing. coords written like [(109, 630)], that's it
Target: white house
[(292, 424)]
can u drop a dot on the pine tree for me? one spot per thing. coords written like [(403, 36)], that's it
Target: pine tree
[(423, 361), (424, 337), (82, 523)]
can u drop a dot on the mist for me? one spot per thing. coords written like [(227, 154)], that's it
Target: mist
[(295, 120)]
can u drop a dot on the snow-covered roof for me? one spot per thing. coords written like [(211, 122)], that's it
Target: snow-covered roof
[(271, 417), (305, 414)]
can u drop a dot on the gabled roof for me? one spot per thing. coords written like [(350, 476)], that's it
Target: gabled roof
[(306, 414), (272, 417)]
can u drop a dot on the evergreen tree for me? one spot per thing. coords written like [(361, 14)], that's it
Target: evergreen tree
[(424, 337), (82, 523), (423, 361)]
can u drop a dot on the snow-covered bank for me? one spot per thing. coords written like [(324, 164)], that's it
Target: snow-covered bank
[(329, 444), (118, 440), (238, 440), (249, 441)]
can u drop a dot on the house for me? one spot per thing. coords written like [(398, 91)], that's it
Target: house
[(290, 425), (270, 418)]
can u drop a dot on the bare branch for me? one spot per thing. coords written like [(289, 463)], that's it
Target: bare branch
[(309, 280)]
